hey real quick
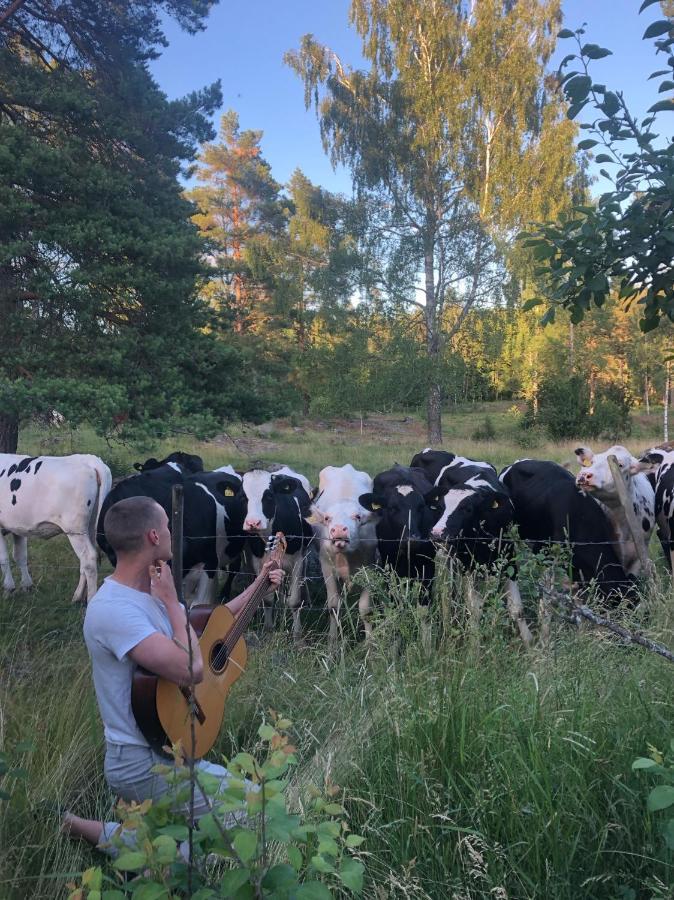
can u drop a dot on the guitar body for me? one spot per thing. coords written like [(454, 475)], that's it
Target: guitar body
[(164, 710)]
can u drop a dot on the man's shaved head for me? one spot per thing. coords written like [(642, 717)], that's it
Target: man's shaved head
[(128, 521)]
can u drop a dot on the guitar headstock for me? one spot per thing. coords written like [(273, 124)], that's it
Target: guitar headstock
[(276, 546)]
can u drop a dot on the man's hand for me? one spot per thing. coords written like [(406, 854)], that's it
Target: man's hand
[(273, 572), (161, 583)]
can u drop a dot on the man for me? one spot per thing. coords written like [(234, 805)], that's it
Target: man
[(135, 619)]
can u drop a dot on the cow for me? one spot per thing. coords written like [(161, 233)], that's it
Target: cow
[(659, 462), (347, 537), (432, 462), (549, 508), (178, 460), (473, 512), (403, 522), (595, 478), (279, 501), (213, 507), (46, 495)]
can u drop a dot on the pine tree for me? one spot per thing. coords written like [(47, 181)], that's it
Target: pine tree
[(98, 256)]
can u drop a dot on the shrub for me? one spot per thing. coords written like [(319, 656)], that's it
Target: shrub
[(564, 409), (485, 431)]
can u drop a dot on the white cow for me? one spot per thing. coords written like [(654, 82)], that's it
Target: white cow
[(279, 501), (347, 535), (46, 495), (595, 478)]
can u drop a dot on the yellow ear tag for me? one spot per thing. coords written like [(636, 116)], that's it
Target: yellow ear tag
[(585, 462), (494, 504), (375, 505), (229, 492)]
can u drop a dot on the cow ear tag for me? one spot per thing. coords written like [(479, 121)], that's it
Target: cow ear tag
[(494, 504), (229, 492), (585, 462), (375, 505)]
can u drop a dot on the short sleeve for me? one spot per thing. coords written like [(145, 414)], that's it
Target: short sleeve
[(121, 628)]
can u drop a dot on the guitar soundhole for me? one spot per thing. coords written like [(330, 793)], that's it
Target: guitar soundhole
[(218, 659)]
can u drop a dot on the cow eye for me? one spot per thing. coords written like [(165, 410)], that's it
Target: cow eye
[(357, 517)]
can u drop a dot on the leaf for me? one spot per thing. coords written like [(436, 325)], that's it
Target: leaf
[(565, 33), (577, 88), (334, 809), (266, 732), (668, 834), (658, 73), (666, 86), (279, 877), (530, 304), (354, 840), (130, 861), (587, 144), (232, 880), (351, 874), (150, 891), (660, 797), (329, 846), (113, 895), (594, 51), (245, 844), (643, 763), (177, 832), (603, 158), (295, 857), (321, 864), (655, 29), (647, 3), (312, 890), (662, 106), (549, 317), (611, 104)]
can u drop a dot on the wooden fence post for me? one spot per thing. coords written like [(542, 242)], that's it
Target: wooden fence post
[(177, 504), (634, 526)]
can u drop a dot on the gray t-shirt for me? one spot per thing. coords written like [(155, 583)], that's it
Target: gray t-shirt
[(117, 619)]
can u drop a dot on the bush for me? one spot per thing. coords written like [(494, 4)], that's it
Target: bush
[(564, 410), (485, 431)]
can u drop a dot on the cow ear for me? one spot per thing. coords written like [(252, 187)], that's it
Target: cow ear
[(648, 462), (584, 456), (314, 493), (371, 502), (225, 488), (431, 497), (281, 484), (315, 517)]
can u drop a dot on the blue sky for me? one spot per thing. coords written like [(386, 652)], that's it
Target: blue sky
[(244, 43)]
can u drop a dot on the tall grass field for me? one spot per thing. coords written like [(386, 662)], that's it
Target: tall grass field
[(473, 767)]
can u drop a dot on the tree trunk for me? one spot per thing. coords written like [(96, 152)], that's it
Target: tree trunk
[(665, 411), (9, 433), (434, 401)]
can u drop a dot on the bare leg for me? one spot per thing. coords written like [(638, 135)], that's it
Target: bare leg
[(364, 610), (294, 596), (8, 580), (86, 554), (516, 611), (20, 554)]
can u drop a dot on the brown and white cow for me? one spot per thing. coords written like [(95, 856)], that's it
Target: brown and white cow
[(347, 535), (43, 496), (595, 478)]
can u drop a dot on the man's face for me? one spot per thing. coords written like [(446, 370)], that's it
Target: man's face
[(163, 537)]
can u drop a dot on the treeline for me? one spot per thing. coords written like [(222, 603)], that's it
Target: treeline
[(144, 308)]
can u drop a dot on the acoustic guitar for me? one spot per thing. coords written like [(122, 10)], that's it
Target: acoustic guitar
[(164, 710)]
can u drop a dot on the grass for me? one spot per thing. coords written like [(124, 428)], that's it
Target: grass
[(472, 767)]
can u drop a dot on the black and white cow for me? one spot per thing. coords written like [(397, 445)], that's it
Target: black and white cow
[(596, 478), (659, 462), (213, 509), (178, 460), (474, 512), (549, 508), (279, 501), (432, 462), (403, 523), (346, 534), (43, 496)]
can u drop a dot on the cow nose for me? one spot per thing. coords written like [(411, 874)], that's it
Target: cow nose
[(437, 532), (252, 525), (339, 531)]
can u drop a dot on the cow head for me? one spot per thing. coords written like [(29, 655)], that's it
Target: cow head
[(268, 494), (479, 514), (341, 522), (651, 461), (401, 513), (596, 476), (181, 462)]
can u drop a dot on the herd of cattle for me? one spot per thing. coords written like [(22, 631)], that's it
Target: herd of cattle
[(398, 518)]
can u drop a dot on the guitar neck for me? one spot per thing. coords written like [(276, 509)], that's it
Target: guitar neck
[(246, 614)]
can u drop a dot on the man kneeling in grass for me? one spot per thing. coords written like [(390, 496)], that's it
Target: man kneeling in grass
[(135, 619)]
